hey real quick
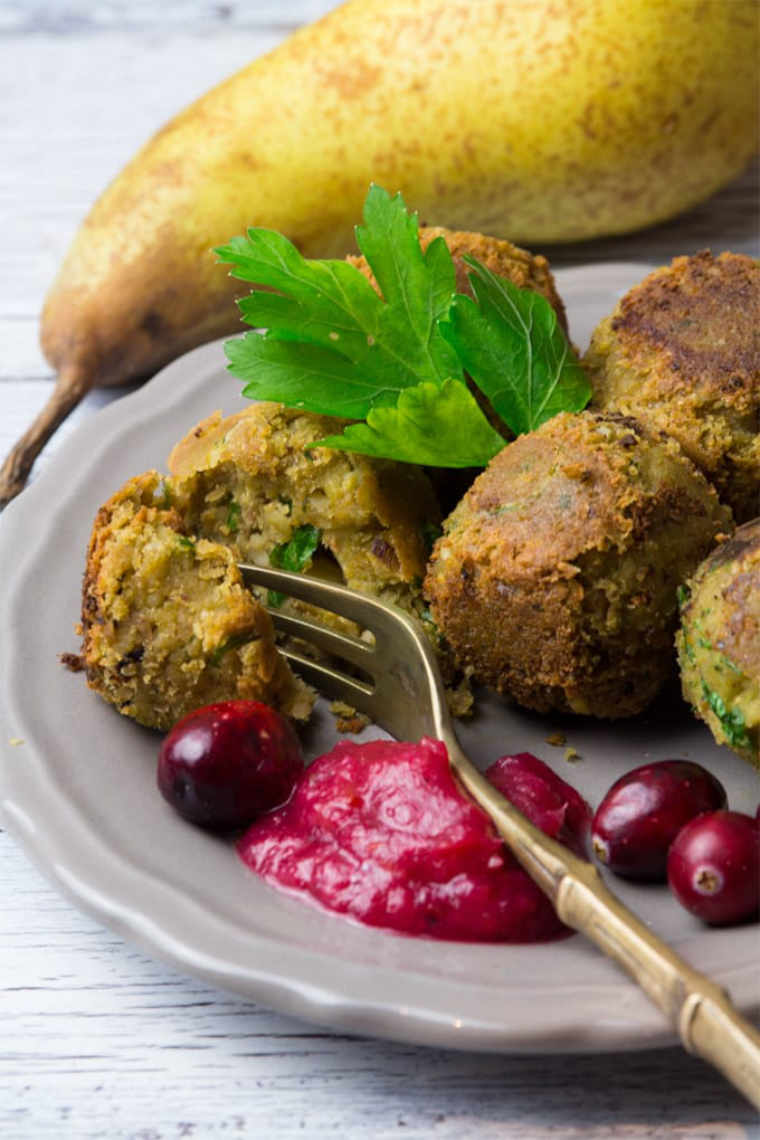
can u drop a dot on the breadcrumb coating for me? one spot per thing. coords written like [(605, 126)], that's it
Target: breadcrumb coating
[(719, 642), (681, 351), (167, 623), (555, 581)]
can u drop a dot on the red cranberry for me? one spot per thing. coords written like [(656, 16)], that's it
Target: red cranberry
[(222, 766), (544, 797), (714, 867), (644, 811)]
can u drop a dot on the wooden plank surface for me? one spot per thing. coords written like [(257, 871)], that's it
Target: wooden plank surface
[(97, 1040)]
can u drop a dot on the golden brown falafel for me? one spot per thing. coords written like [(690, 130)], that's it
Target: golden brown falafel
[(167, 624), (556, 577), (719, 642), (682, 351)]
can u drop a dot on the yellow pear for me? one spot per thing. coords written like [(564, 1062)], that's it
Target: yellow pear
[(534, 120)]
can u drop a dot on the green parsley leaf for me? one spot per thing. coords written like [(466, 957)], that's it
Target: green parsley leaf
[(731, 720), (511, 345), (417, 287), (397, 359), (437, 426), (294, 555), (232, 521), (303, 376), (333, 345)]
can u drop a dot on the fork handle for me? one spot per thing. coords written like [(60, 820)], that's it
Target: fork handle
[(708, 1024)]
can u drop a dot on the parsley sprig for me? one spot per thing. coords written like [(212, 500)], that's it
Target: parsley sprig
[(396, 360)]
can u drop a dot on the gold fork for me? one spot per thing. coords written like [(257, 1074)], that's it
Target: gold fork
[(402, 691)]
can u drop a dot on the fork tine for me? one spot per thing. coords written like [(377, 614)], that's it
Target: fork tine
[(316, 591), (332, 682), (407, 696), (340, 644)]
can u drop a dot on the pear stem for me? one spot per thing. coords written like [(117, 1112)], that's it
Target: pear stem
[(70, 387)]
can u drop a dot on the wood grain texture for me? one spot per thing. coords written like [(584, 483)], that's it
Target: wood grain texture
[(96, 1040), (80, 17), (99, 1041)]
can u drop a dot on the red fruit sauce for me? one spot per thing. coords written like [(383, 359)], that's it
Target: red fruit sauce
[(381, 832)]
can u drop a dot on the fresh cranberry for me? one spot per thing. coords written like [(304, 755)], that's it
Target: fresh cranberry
[(222, 766), (547, 800), (714, 867), (644, 811)]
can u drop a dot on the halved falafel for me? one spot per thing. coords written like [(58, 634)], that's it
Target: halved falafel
[(555, 581), (681, 351), (251, 482), (719, 642), (167, 623)]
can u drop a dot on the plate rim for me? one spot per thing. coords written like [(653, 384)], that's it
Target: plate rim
[(63, 854)]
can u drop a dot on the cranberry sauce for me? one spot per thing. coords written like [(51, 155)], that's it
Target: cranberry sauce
[(382, 832)]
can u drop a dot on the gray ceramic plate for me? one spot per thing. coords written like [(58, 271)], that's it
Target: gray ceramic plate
[(79, 794)]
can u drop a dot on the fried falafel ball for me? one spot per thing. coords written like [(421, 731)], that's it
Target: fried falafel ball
[(682, 352), (555, 581), (167, 623), (719, 642), (251, 482)]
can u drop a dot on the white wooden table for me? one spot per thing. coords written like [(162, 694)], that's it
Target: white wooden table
[(96, 1040)]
